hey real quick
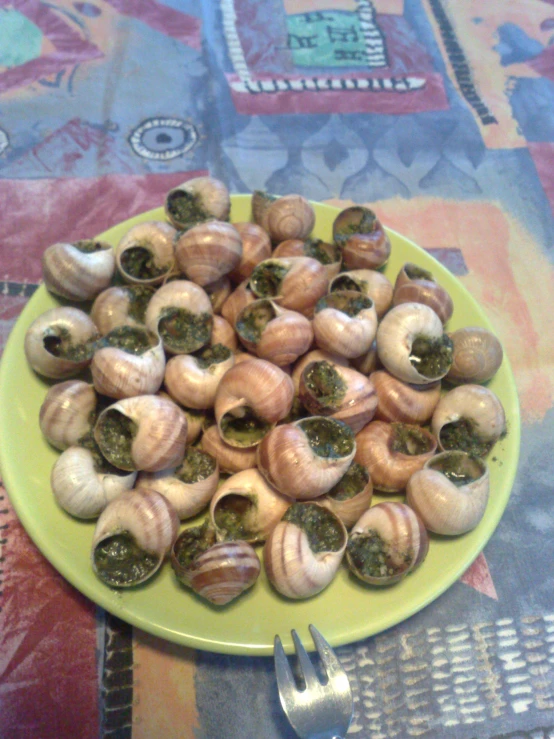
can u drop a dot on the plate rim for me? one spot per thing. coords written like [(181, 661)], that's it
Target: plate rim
[(117, 606)]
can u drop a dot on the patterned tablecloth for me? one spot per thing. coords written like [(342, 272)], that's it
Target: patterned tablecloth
[(438, 113)]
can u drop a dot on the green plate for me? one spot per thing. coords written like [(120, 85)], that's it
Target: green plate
[(345, 612)]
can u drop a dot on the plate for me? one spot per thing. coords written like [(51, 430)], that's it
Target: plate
[(345, 612)]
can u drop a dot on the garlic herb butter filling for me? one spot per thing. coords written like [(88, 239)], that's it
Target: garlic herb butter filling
[(139, 262), (115, 433), (463, 435), (432, 357), (372, 556), (266, 279), (131, 339), (58, 342), (328, 437), (184, 331), (410, 440), (197, 465), (192, 543), (253, 320), (245, 430), (322, 528), (349, 304), (460, 468), (325, 384), (352, 483), (89, 246), (186, 208), (231, 517), (119, 561)]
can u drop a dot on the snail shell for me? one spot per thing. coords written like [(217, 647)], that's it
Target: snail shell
[(220, 572), (364, 242), (192, 380), (122, 305), (146, 432), (196, 200), (256, 247), (246, 507), (450, 493), (477, 355), (237, 300), (273, 333), (59, 343), (289, 217), (345, 323), (224, 333), (132, 537), (80, 488), (329, 255), (299, 562), (368, 362), (369, 282), (316, 355), (66, 413), (387, 543), (469, 418), (399, 401), (118, 371), (208, 251), (190, 487), (297, 283), (351, 496), (230, 458), (252, 396), (305, 459), (78, 271), (414, 285), (412, 345), (218, 292), (181, 313), (338, 392), (392, 452), (145, 254)]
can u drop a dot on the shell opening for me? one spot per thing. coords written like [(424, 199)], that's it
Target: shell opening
[(253, 320), (196, 466), (353, 482), (131, 339), (232, 516), (120, 562), (99, 461), (266, 279), (322, 251), (462, 435), (432, 357), (325, 384), (352, 221), (139, 297), (328, 437), (371, 556), (344, 282), (345, 302), (89, 246), (191, 544), (57, 342), (212, 355), (460, 468), (140, 263), (414, 272), (115, 433), (186, 208), (322, 528), (410, 440), (183, 331), (245, 430)]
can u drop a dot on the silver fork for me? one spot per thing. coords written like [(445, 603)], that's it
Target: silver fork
[(318, 710)]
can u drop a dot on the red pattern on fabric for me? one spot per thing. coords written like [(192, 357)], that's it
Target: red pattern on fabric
[(71, 209), (543, 156), (172, 22), (478, 576), (48, 645)]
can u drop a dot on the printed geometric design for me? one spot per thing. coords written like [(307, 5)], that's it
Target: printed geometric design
[(163, 139), (70, 48)]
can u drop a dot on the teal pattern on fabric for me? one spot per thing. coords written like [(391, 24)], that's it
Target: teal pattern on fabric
[(20, 39), (326, 39)]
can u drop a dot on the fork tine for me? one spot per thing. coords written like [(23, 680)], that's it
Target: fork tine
[(329, 659), (285, 678), (305, 664)]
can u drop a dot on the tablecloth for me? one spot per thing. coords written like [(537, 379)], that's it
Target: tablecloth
[(437, 113)]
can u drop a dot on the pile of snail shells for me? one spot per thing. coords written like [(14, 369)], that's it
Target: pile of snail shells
[(271, 378)]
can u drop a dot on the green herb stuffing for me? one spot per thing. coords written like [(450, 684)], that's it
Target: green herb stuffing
[(139, 262), (186, 208), (371, 556), (212, 355), (410, 440), (349, 304), (328, 437), (232, 514), (130, 339), (116, 434), (432, 357), (244, 431), (139, 297), (197, 465), (417, 273), (322, 528), (266, 279), (120, 562), (462, 435), (192, 543), (253, 320), (322, 251), (183, 331), (325, 384), (89, 246), (57, 342), (352, 483)]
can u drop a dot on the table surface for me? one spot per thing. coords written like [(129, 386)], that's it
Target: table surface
[(438, 114)]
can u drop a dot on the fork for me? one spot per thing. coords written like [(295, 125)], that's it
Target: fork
[(318, 710)]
